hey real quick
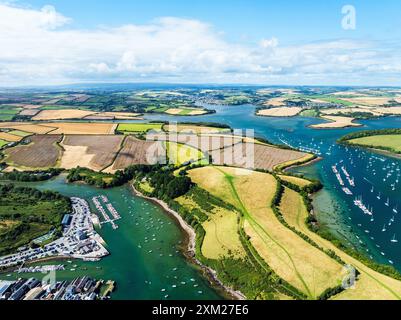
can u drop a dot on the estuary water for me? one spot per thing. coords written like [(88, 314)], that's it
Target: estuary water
[(377, 178), (146, 261)]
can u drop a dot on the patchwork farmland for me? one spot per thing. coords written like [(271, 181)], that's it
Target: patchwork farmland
[(265, 157), (41, 151), (93, 151), (136, 151)]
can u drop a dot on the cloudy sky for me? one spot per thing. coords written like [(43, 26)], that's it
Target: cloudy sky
[(237, 41)]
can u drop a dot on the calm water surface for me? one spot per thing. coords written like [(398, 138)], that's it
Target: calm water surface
[(145, 257), (145, 261), (377, 177)]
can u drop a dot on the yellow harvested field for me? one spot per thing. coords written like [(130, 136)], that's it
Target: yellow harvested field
[(178, 111), (295, 180), (10, 137), (81, 128), (292, 258), (347, 110), (197, 112), (388, 110), (116, 115), (174, 111), (61, 114), (370, 285), (276, 102), (90, 151), (369, 101), (376, 111), (221, 238), (336, 122), (308, 157), (280, 112), (74, 156), (32, 128)]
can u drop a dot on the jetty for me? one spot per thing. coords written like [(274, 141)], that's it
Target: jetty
[(110, 215)]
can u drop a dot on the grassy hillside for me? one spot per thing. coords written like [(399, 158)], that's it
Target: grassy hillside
[(370, 285), (292, 258), (27, 213)]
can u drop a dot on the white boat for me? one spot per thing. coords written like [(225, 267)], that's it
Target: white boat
[(379, 196), (394, 240), (387, 203), (384, 228), (395, 210)]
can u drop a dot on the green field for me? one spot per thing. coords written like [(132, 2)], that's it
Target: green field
[(138, 127), (7, 113), (26, 214), (179, 154), (20, 133), (390, 142), (292, 258), (309, 113), (330, 99), (3, 143), (220, 224)]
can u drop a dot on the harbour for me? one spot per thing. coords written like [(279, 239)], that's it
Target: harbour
[(355, 204), (146, 259)]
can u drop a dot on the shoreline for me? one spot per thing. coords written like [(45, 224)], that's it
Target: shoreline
[(307, 163), (189, 253)]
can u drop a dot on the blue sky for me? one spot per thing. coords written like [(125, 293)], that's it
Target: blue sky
[(290, 20), (237, 41)]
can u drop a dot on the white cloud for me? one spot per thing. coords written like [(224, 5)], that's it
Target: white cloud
[(269, 43), (42, 47)]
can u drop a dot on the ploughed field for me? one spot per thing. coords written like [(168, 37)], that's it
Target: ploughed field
[(137, 151), (265, 157), (41, 151), (95, 146), (91, 151)]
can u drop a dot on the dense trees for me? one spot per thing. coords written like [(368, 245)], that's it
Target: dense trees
[(368, 133), (166, 185), (30, 176), (27, 213)]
